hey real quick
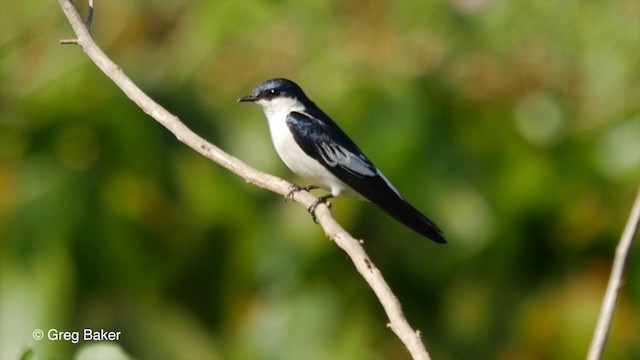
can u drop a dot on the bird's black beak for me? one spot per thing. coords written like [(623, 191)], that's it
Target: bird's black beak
[(248, 98)]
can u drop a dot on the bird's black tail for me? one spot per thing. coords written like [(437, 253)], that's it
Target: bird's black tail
[(405, 213), (395, 206), (419, 223)]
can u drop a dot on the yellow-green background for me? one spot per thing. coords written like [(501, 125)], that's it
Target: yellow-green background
[(515, 125)]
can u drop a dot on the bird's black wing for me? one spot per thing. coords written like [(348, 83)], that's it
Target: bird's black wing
[(324, 141)]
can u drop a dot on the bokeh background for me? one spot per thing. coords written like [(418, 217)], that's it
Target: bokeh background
[(515, 125)]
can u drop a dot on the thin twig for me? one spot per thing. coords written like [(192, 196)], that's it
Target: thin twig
[(92, 10), (397, 322), (601, 332)]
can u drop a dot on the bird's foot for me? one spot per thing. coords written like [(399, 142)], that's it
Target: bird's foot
[(296, 188), (321, 200)]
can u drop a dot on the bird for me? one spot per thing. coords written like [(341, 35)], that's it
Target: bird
[(314, 147)]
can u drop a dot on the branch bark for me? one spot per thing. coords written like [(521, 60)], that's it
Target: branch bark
[(601, 332), (397, 321)]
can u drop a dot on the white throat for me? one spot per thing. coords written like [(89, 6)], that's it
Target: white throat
[(276, 110), (280, 107)]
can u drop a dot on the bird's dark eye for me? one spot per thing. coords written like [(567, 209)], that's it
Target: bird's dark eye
[(269, 93)]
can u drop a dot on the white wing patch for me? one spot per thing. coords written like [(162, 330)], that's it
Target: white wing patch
[(334, 155)]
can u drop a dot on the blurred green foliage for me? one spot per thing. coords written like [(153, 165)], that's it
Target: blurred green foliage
[(515, 125)]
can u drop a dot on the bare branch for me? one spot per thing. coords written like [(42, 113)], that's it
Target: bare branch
[(397, 322), (615, 283)]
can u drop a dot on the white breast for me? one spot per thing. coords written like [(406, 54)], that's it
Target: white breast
[(291, 154)]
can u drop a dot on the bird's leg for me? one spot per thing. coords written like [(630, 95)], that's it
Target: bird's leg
[(296, 188), (321, 200)]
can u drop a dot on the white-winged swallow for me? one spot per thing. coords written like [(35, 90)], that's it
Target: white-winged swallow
[(314, 147)]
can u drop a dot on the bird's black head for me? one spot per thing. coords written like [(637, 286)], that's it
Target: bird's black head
[(275, 88)]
